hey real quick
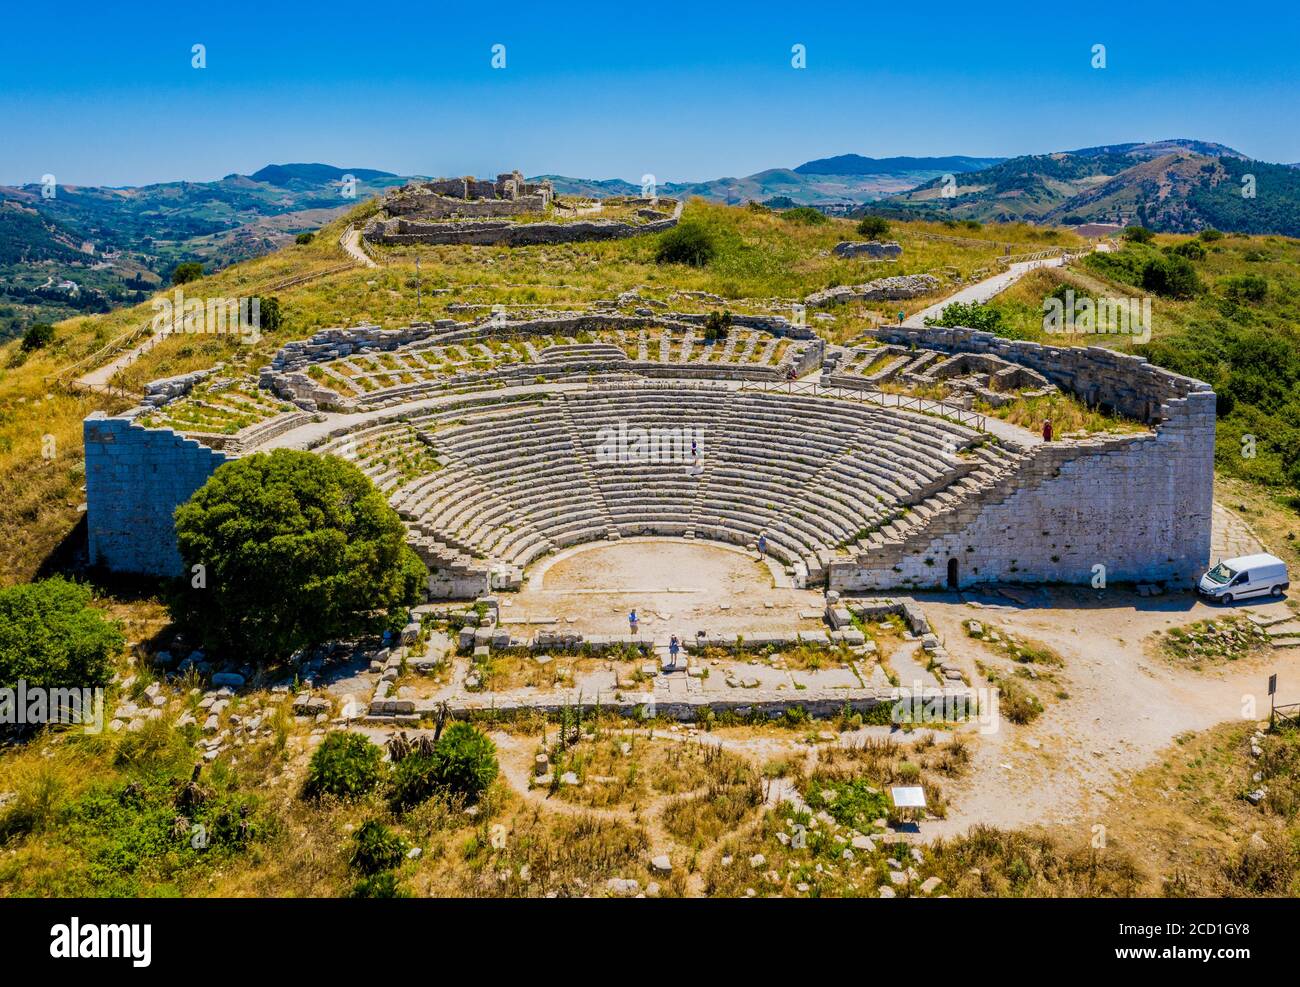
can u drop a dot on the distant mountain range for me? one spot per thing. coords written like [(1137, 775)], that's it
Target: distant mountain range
[(114, 243), (216, 222), (91, 248), (848, 178), (856, 164), (1172, 185)]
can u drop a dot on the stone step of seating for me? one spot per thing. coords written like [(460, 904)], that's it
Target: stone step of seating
[(520, 479)]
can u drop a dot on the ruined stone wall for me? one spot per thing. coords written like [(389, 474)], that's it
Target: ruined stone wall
[(895, 287), (330, 344), (135, 479), (444, 207), (503, 232), (1139, 506), (874, 249), (1098, 376)]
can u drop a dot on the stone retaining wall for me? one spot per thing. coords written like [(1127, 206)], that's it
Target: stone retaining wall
[(821, 704), (1139, 506), (900, 286), (1098, 376), (135, 479), (504, 232)]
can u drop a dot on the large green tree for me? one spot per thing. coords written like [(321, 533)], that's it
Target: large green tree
[(50, 636), (295, 549)]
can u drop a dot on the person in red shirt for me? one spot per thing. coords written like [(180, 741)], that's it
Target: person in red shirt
[(1047, 430)]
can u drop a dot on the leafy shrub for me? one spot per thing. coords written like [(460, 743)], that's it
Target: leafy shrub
[(346, 765), (1138, 234), (463, 763), (50, 636), (1246, 288), (854, 802), (130, 835), (415, 780), (296, 549), (1191, 249), (806, 215), (717, 325), (468, 760), (873, 227), (268, 309), (382, 885), (1210, 234), (971, 315), (376, 848), (38, 336), (187, 272), (1171, 277), (686, 243), (304, 238)]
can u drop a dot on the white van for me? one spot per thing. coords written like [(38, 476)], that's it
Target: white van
[(1250, 575)]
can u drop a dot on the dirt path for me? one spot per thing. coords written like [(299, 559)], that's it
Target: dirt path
[(981, 291), (1123, 707), (351, 244), (98, 379)]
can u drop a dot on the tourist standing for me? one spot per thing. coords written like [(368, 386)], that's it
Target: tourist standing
[(631, 621), (674, 646), (1047, 430), (762, 545)]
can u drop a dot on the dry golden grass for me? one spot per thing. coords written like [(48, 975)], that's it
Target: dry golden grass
[(1068, 415)]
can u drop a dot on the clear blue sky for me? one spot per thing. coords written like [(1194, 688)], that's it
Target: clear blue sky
[(104, 93)]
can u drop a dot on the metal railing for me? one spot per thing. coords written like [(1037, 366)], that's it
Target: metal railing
[(1050, 253)]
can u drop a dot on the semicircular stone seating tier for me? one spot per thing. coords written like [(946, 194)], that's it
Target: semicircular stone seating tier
[(494, 483), (370, 379)]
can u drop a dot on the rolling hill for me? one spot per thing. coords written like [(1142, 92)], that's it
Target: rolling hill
[(856, 164), (1171, 186), (846, 178), (112, 243)]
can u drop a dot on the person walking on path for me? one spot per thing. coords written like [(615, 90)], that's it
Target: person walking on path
[(631, 621), (1047, 430), (762, 545), (674, 646)]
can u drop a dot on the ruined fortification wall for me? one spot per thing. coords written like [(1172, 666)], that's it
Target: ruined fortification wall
[(135, 479), (1138, 505), (1098, 376), (488, 232)]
